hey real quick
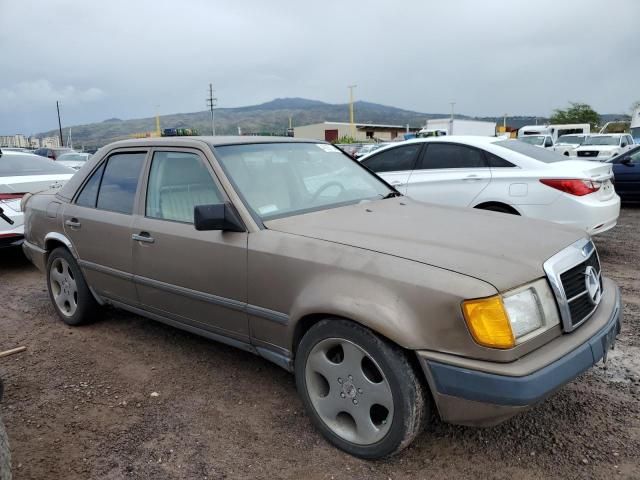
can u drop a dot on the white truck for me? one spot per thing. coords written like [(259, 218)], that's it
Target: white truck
[(438, 127), (555, 130)]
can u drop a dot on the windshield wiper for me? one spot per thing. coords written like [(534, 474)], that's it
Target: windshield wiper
[(391, 195)]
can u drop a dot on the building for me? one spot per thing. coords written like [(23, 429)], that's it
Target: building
[(332, 131), (49, 142), (34, 142), (14, 141)]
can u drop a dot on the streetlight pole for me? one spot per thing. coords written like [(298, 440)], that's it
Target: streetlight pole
[(351, 120)]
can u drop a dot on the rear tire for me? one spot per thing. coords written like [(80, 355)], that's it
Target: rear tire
[(68, 290), (360, 390)]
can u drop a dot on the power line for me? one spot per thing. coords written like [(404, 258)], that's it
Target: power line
[(211, 103)]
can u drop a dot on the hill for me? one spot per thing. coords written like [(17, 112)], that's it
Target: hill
[(267, 118)]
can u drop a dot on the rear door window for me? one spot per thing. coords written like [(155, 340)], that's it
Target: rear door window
[(448, 155), (396, 159), (120, 181)]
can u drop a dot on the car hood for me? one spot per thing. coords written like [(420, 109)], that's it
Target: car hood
[(598, 148), (504, 250)]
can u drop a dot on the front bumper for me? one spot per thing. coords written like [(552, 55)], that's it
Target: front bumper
[(470, 396)]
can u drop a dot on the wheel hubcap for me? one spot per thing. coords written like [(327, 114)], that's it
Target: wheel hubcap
[(63, 287), (349, 391)]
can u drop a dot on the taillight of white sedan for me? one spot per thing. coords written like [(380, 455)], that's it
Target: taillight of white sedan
[(503, 175)]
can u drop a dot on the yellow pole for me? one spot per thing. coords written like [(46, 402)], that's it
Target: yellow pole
[(351, 122), (157, 123)]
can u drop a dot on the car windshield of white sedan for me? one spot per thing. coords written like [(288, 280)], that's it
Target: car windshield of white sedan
[(541, 154), (16, 165), (533, 139), (604, 140), (282, 179)]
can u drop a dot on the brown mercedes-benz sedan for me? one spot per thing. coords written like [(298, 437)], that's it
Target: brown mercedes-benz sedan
[(385, 309)]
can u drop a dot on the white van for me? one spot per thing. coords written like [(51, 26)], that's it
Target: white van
[(555, 130)]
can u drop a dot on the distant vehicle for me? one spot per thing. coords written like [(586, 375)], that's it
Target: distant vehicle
[(555, 130), (52, 153), (73, 160), (22, 173), (567, 144), (544, 141), (626, 170), (502, 175), (635, 125), (368, 148), (438, 127), (602, 147), (179, 132)]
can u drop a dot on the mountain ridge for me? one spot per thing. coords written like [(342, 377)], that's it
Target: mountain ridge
[(270, 117)]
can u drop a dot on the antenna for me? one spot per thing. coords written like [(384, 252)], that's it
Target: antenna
[(59, 124), (211, 103)]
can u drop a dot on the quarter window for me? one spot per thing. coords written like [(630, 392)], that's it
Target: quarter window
[(120, 182), (447, 155), (497, 162), (178, 182), (395, 159), (89, 194)]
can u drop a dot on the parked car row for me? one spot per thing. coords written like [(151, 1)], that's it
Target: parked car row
[(385, 309), (22, 173), (599, 146)]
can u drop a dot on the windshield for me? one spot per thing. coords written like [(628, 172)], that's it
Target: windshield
[(533, 139), (603, 140), (571, 139), (540, 154), (23, 164), (282, 179), (73, 157)]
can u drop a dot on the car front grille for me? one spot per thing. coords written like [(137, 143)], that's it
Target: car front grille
[(573, 282), (576, 279), (588, 153)]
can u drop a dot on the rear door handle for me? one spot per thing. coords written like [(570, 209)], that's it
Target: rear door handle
[(73, 223), (471, 178), (143, 237)]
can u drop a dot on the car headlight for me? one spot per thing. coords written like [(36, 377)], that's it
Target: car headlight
[(506, 320)]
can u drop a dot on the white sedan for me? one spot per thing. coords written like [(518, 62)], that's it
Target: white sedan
[(22, 173), (502, 175)]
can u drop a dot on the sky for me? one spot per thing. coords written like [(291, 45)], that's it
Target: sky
[(133, 58)]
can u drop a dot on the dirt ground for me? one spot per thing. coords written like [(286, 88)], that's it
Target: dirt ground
[(127, 397)]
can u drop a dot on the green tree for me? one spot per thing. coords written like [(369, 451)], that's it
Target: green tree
[(576, 113)]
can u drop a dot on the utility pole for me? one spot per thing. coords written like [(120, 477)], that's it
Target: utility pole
[(351, 121), (59, 124), (453, 104), (211, 103), (451, 120)]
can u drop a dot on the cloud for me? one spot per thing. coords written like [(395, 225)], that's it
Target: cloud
[(34, 94)]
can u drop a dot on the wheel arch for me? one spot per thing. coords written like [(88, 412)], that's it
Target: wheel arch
[(53, 240), (506, 206)]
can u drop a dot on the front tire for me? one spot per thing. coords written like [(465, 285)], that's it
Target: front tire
[(68, 290), (360, 390)]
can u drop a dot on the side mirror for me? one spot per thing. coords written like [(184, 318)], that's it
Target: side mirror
[(218, 216), (625, 161)]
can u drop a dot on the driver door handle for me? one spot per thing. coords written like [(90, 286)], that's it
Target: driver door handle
[(143, 237)]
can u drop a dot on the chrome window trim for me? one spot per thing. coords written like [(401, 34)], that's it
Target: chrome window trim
[(575, 254)]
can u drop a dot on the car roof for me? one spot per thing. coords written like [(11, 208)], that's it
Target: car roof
[(608, 134), (210, 140)]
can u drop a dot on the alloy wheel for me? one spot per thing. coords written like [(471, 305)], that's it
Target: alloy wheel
[(349, 391), (63, 287)]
